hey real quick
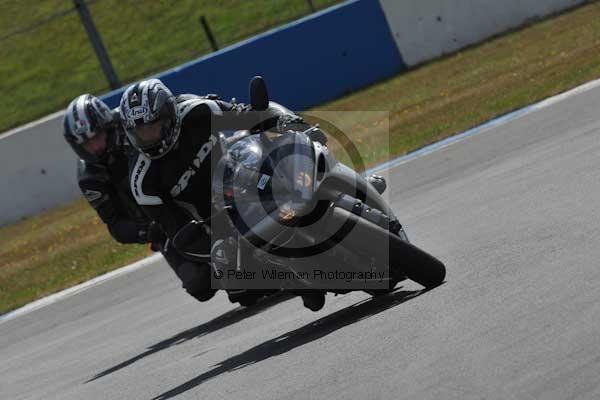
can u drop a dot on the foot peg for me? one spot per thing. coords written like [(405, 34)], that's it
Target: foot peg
[(378, 182)]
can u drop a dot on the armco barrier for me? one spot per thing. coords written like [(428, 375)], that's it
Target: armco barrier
[(305, 63), (427, 29)]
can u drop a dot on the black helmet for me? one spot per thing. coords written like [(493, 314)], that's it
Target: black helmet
[(86, 116), (150, 118)]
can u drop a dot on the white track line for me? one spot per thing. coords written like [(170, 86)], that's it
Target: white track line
[(387, 165), (53, 298), (484, 127)]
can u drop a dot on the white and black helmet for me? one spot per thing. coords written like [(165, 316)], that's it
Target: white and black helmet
[(86, 115), (150, 103)]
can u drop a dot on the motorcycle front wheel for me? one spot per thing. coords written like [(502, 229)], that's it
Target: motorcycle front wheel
[(405, 258)]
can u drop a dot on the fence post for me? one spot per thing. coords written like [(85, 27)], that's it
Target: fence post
[(209, 34), (96, 40)]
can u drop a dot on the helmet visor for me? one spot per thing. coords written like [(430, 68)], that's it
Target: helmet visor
[(148, 135), (96, 145)]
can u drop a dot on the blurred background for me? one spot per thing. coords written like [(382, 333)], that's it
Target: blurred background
[(48, 57)]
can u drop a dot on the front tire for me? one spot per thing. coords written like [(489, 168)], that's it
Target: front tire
[(423, 268), (405, 258)]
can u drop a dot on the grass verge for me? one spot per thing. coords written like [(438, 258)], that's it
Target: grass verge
[(44, 68), (55, 250), (68, 245)]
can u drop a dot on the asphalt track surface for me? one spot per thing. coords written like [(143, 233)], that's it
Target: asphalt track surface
[(513, 212)]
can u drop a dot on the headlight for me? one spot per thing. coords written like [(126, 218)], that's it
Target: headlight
[(304, 179), (287, 212)]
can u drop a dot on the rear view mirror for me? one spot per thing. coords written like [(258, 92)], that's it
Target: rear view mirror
[(259, 96)]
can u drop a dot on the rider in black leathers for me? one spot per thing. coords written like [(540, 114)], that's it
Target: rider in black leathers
[(176, 137), (95, 134), (170, 177)]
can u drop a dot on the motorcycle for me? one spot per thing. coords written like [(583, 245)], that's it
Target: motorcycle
[(289, 216)]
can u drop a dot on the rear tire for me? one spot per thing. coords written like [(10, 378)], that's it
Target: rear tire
[(244, 297), (248, 301), (382, 292)]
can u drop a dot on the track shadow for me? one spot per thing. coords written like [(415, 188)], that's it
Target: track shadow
[(298, 337), (220, 322)]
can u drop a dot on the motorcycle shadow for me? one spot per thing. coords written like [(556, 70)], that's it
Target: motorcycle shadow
[(229, 318), (298, 337)]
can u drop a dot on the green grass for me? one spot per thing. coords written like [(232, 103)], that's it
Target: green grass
[(42, 70), (55, 250), (62, 247)]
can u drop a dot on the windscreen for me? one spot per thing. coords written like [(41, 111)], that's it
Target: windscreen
[(265, 176)]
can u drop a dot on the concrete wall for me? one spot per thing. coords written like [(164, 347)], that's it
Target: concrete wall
[(38, 169), (305, 63), (426, 29)]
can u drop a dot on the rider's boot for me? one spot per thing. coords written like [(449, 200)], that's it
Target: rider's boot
[(314, 300), (195, 278)]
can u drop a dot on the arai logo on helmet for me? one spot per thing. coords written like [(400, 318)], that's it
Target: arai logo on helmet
[(137, 112)]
